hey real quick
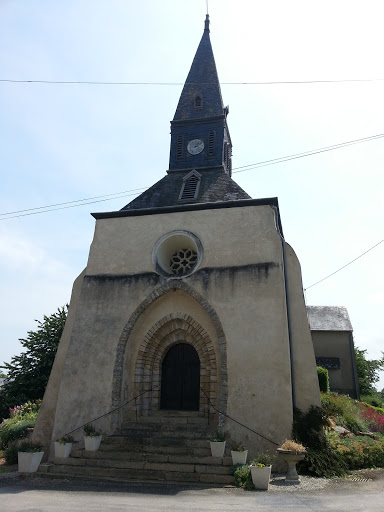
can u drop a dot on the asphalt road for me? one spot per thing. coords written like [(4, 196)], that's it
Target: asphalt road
[(364, 493)]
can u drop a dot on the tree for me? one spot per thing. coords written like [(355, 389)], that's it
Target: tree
[(368, 371), (28, 373)]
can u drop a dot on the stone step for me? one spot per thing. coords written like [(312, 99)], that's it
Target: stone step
[(151, 472), (177, 414), (200, 425), (181, 467), (145, 457), (126, 442), (174, 420)]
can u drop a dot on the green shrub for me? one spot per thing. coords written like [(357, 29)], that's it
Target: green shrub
[(22, 417), (359, 452), (10, 454), (262, 459), (13, 428), (352, 414), (352, 422), (243, 477), (321, 460), (330, 404), (322, 375), (374, 400), (30, 446)]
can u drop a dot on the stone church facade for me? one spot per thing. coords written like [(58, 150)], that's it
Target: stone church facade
[(191, 299)]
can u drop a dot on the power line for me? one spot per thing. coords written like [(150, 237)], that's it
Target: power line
[(62, 207), (95, 82), (341, 268), (306, 153), (126, 193), (117, 194)]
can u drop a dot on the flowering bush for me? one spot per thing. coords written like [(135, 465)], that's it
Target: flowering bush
[(374, 419), (352, 414), (16, 427), (26, 410), (359, 452), (262, 459)]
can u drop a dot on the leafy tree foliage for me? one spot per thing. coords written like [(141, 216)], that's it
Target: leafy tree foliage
[(28, 373), (368, 371)]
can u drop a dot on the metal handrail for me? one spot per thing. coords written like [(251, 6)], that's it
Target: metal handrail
[(113, 410), (238, 422)]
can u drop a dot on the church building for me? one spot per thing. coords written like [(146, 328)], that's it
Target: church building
[(191, 304)]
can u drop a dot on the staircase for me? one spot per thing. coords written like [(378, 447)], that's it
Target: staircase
[(171, 446)]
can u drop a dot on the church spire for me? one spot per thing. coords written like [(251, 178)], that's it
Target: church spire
[(203, 82), (201, 148), (199, 132)]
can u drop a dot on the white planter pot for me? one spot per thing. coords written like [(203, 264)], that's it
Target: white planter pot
[(239, 457), (261, 477), (217, 448), (92, 443), (29, 462), (62, 449)]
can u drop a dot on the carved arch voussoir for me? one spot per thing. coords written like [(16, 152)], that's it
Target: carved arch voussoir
[(182, 327)]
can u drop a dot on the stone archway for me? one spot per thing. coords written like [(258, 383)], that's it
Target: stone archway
[(219, 397), (171, 330)]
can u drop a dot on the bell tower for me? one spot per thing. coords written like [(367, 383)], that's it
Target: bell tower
[(200, 162), (199, 132)]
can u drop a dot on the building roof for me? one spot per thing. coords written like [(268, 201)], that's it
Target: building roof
[(328, 318), (215, 186)]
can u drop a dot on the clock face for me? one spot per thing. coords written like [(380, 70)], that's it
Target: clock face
[(195, 146)]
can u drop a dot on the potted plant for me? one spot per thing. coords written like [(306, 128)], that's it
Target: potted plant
[(239, 453), (217, 443), (261, 471), (92, 437), (291, 452), (29, 456), (63, 446)]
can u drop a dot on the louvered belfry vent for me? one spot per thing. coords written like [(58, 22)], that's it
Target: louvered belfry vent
[(211, 142), (190, 188), (180, 145)]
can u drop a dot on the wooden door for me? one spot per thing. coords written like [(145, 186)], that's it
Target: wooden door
[(180, 379)]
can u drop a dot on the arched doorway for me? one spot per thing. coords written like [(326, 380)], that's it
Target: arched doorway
[(180, 378)]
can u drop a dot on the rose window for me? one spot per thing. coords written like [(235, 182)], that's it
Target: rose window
[(183, 261)]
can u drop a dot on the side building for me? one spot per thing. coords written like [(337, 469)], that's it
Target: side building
[(332, 337)]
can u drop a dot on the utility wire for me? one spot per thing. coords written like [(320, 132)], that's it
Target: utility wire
[(306, 153), (341, 268), (63, 207), (95, 82), (117, 194), (243, 168)]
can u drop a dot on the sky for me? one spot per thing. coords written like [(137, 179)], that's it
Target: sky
[(68, 142)]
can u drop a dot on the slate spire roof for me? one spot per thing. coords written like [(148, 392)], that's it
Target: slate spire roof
[(202, 79), (200, 116)]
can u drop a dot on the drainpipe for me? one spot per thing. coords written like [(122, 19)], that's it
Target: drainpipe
[(354, 370), (288, 307)]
